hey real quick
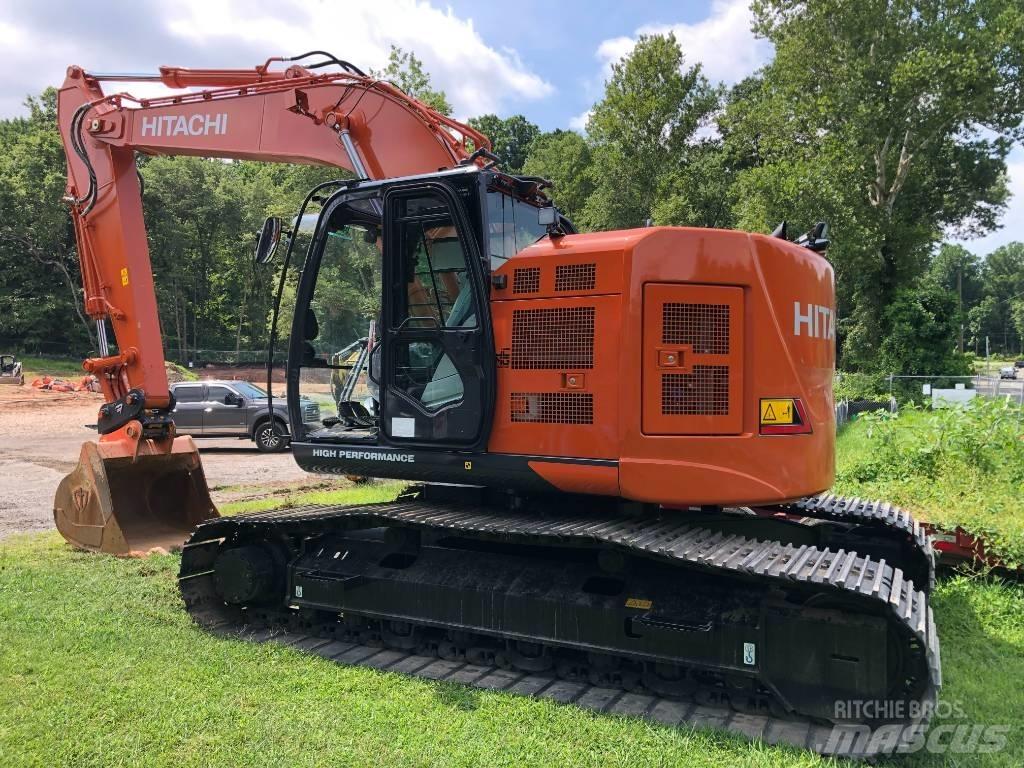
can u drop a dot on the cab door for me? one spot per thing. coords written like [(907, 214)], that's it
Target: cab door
[(437, 389)]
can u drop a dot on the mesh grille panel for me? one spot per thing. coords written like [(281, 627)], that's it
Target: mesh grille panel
[(705, 392), (575, 277), (526, 280), (559, 338), (552, 407), (703, 326)]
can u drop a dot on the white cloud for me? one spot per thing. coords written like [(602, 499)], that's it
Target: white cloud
[(239, 33), (1013, 218), (579, 122), (722, 43)]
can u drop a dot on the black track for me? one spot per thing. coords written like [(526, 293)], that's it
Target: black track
[(843, 577)]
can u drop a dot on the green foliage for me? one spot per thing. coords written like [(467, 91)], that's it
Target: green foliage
[(1004, 283), (959, 272), (201, 218), (510, 137), (701, 193), (565, 158), (921, 323), (961, 466), (40, 289), (890, 120), (640, 131), (406, 71), (850, 385)]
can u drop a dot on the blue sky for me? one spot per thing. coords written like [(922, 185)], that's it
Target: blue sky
[(562, 40), (547, 60)]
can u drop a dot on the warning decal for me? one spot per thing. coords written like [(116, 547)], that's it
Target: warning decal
[(777, 412)]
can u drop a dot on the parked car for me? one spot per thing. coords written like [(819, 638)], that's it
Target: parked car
[(235, 409), (1008, 372), (1019, 364)]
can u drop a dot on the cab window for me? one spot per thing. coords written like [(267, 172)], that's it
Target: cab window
[(511, 226), (437, 292)]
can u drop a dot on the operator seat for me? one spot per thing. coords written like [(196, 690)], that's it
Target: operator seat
[(446, 385)]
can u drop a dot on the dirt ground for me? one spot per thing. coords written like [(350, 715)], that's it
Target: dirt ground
[(41, 434)]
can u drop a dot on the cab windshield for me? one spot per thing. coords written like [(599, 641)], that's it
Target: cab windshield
[(343, 309)]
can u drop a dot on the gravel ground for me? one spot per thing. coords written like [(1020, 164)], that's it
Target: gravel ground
[(41, 434)]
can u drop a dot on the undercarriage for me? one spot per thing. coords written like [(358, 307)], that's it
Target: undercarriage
[(766, 621)]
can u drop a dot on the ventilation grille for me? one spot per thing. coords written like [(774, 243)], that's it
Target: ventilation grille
[(559, 338), (526, 280), (575, 277), (705, 327), (552, 407), (705, 392)]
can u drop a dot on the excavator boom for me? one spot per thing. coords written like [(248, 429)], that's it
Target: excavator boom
[(141, 487)]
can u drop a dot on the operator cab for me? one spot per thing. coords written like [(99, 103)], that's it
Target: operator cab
[(391, 332)]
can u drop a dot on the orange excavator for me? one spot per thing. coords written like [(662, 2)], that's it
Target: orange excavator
[(620, 442)]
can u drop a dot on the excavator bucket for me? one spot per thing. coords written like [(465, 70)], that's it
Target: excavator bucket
[(130, 497)]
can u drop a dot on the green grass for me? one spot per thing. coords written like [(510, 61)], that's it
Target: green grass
[(186, 374), (99, 665), (994, 363), (36, 367), (64, 367), (359, 494), (954, 468)]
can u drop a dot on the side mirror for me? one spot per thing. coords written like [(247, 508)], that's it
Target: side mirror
[(232, 399), (266, 244)]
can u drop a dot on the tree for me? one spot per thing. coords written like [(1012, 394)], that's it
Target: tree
[(510, 137), (701, 192), (406, 71), (563, 157), (641, 131), (890, 118), (1017, 315), (980, 319), (922, 322), (39, 278), (1004, 282), (958, 271)]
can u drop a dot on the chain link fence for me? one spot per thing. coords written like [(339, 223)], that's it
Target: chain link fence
[(943, 391)]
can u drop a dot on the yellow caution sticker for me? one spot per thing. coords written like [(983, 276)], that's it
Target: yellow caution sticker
[(777, 412), (636, 602), (124, 277)]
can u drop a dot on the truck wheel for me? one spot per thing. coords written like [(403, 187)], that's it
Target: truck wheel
[(270, 437)]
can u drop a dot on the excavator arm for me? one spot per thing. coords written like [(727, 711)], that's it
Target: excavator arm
[(140, 487)]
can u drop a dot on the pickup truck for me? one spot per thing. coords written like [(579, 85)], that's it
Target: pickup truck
[(235, 409)]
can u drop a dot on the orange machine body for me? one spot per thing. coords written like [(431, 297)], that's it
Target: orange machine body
[(652, 349)]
